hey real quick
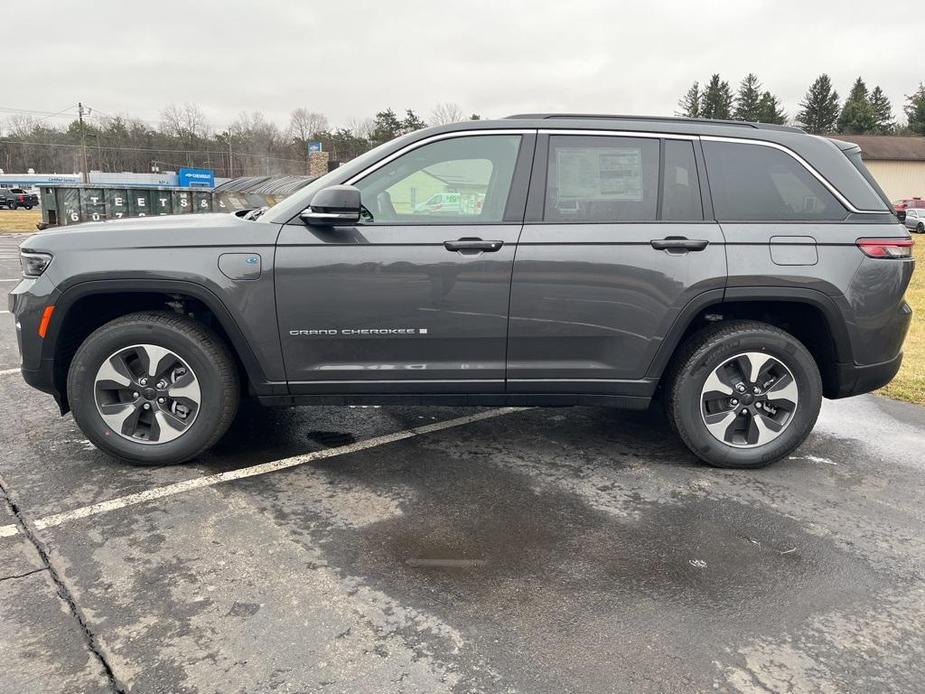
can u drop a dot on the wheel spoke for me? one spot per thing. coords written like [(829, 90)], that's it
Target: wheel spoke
[(762, 429), (785, 389), (117, 415), (168, 427), (186, 387), (715, 385), (152, 357), (113, 374), (719, 424), (756, 363)]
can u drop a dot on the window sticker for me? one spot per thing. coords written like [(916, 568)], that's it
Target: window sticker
[(598, 173)]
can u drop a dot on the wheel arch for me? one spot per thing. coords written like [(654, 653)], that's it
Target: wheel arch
[(809, 315), (72, 325)]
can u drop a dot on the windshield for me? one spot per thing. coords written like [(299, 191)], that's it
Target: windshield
[(286, 209)]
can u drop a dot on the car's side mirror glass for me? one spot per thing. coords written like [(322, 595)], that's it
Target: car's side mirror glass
[(332, 206)]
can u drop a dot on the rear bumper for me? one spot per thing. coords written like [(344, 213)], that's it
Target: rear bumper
[(855, 379)]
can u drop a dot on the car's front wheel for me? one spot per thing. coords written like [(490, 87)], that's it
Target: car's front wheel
[(153, 388), (744, 394)]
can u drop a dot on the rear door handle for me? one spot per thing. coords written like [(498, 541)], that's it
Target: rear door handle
[(679, 244), (473, 245)]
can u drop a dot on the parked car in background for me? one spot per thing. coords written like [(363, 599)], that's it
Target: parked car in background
[(915, 219), (17, 197)]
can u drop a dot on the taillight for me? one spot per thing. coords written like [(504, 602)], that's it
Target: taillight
[(886, 248)]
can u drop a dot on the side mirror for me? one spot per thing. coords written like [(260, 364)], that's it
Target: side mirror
[(901, 215), (333, 206)]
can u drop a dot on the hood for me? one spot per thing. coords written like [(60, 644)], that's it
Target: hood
[(175, 231)]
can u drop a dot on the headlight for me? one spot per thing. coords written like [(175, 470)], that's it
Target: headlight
[(34, 264)]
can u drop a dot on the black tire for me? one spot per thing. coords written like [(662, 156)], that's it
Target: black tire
[(205, 353), (11, 205), (708, 350), (920, 227), (28, 207)]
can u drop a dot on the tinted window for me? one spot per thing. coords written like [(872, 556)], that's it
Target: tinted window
[(758, 183), (680, 184), (460, 180), (601, 179)]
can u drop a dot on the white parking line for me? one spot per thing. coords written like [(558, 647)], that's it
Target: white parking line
[(253, 471), (10, 371), (11, 279)]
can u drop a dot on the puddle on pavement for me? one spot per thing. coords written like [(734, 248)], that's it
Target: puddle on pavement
[(331, 439), (538, 575)]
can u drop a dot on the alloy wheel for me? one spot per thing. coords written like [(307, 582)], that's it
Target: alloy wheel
[(147, 394), (749, 400)]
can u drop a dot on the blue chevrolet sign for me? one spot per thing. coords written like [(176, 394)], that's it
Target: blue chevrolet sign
[(196, 178), (314, 146)]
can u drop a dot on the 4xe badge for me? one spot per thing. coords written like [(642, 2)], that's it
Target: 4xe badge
[(352, 332)]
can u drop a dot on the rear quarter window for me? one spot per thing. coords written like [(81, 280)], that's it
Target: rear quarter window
[(757, 183)]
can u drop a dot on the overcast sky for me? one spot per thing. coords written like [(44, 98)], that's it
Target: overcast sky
[(352, 58)]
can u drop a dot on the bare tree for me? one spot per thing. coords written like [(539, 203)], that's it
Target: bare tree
[(305, 124), (186, 121), (361, 128), (445, 113)]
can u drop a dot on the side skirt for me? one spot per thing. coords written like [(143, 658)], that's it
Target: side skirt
[(464, 400)]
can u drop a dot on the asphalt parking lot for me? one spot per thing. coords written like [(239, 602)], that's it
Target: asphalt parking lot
[(430, 550)]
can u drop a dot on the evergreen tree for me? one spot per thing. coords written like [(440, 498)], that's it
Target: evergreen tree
[(819, 108), (717, 99), (386, 127), (857, 115), (689, 104), (411, 122), (884, 112), (769, 109), (915, 110), (748, 99)]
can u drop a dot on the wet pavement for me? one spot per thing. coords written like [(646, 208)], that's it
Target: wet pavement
[(539, 550)]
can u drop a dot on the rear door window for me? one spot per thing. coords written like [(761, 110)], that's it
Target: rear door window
[(757, 183), (601, 179)]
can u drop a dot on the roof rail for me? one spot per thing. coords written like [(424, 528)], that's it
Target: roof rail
[(657, 119)]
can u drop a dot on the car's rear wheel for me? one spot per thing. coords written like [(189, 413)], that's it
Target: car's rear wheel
[(920, 227), (28, 207), (153, 388), (744, 394)]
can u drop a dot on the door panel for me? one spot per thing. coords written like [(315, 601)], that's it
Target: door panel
[(594, 301), (390, 309)]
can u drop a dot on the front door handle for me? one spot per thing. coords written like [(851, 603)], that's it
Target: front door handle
[(679, 244), (473, 245)]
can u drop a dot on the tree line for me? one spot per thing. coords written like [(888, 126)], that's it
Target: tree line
[(252, 145), (821, 111)]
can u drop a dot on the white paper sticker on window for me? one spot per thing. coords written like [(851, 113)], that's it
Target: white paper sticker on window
[(597, 173)]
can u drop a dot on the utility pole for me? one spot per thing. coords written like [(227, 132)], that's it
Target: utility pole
[(230, 160), (85, 173)]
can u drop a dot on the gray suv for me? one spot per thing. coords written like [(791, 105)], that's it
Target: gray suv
[(737, 272)]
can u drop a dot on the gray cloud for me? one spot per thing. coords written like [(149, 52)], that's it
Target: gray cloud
[(350, 59)]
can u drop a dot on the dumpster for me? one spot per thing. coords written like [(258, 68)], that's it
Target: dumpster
[(75, 203)]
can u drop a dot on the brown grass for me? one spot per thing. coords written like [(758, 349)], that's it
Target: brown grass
[(909, 384), (19, 220)]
